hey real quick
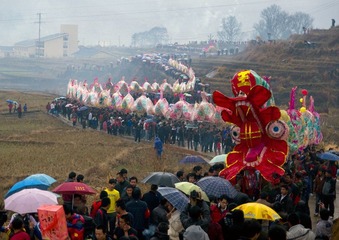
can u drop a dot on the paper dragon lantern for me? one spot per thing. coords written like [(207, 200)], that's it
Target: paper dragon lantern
[(259, 133)]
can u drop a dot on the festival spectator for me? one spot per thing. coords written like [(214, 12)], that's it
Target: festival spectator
[(18, 232), (191, 178), (175, 225), (19, 109), (328, 192), (97, 204), (194, 232), (101, 233), (75, 223), (251, 230), (161, 232), (324, 226), (158, 148), (152, 198), (304, 217), (125, 229), (121, 182), (180, 175), (317, 189), (67, 198), (113, 195), (25, 108), (140, 212), (285, 199), (196, 212), (101, 217), (121, 210), (277, 233), (197, 170), (298, 231), (10, 107)]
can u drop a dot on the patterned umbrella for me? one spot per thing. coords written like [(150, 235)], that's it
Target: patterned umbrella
[(217, 186), (74, 188), (175, 197), (258, 211)]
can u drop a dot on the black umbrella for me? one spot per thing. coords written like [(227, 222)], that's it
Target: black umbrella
[(161, 179)]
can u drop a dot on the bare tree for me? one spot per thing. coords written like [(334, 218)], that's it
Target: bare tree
[(300, 21), (157, 35), (278, 24), (274, 22), (230, 29)]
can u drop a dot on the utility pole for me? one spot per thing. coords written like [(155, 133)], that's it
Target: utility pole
[(39, 37)]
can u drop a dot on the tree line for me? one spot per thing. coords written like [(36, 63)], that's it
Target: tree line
[(274, 24)]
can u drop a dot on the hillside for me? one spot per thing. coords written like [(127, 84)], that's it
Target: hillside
[(308, 61)]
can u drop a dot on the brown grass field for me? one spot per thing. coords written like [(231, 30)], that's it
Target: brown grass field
[(41, 143)]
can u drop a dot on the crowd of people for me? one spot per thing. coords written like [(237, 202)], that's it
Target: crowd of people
[(122, 211), (198, 136)]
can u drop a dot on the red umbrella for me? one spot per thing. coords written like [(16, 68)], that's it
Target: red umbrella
[(74, 188)]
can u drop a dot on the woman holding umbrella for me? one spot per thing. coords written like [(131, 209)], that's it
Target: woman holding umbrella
[(175, 225)]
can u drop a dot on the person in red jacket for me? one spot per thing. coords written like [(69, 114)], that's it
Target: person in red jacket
[(97, 204), (18, 230)]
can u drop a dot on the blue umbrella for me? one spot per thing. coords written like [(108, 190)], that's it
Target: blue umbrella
[(43, 178), (27, 183), (193, 159), (9, 101), (175, 197), (328, 156), (217, 186)]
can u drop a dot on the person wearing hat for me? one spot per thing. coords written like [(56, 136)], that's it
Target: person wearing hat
[(195, 232), (113, 195), (328, 192)]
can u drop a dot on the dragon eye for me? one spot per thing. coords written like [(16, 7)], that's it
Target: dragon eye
[(276, 129), (235, 131)]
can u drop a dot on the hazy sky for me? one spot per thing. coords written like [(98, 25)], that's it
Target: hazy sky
[(114, 21)]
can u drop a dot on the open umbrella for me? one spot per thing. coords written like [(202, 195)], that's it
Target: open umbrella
[(175, 197), (29, 200), (43, 178), (218, 159), (187, 188), (69, 105), (161, 179), (217, 186), (328, 156), (72, 188), (27, 183), (193, 159), (9, 101), (83, 108), (258, 211)]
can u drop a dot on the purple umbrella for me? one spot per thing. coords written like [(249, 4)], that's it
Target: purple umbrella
[(193, 159)]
